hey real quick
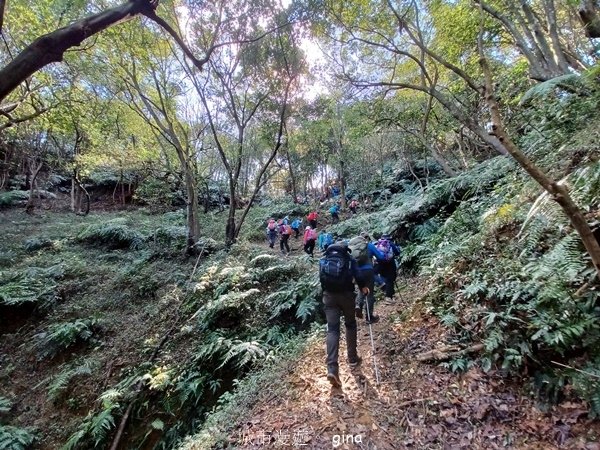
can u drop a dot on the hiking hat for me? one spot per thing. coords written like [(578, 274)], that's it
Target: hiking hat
[(307, 228)]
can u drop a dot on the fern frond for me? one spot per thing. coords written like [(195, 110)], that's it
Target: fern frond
[(548, 87)]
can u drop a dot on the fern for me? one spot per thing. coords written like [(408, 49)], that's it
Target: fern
[(60, 382), (572, 81), (95, 428), (112, 235), (306, 309), (5, 405), (61, 336), (13, 438)]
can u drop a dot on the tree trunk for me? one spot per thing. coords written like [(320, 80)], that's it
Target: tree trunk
[(193, 224), (590, 16), (34, 170), (230, 225), (292, 176), (342, 178), (444, 164)]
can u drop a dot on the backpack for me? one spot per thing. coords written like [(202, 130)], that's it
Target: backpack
[(335, 270), (283, 228), (385, 247), (359, 249), (333, 209), (288, 230), (313, 235), (296, 224), (325, 240), (353, 204), (312, 216), (272, 225)]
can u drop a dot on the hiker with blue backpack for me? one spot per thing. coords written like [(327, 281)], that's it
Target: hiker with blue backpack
[(338, 271), (363, 250), (296, 224), (324, 241), (335, 214), (386, 265)]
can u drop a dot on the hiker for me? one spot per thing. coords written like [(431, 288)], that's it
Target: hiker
[(271, 232), (363, 250), (312, 219), (310, 237), (285, 231), (353, 206), (386, 265), (296, 224), (335, 216), (286, 220), (324, 241), (337, 272)]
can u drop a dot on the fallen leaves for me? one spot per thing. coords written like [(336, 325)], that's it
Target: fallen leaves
[(416, 406)]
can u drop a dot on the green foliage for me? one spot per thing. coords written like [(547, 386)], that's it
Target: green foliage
[(39, 243), (570, 81), (13, 438), (157, 194), (34, 285), (225, 351), (59, 384), (95, 430), (112, 235), (5, 405), (13, 198), (59, 337)]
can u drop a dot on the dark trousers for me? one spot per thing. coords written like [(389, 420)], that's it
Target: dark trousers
[(271, 236), (337, 304), (313, 224), (283, 242), (368, 276), (389, 272), (309, 247), (335, 218), (297, 232)]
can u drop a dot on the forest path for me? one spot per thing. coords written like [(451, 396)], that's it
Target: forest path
[(410, 404)]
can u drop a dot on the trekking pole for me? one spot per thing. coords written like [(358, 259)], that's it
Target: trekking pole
[(372, 345)]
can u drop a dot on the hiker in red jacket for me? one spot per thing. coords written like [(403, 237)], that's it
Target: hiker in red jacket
[(312, 219)]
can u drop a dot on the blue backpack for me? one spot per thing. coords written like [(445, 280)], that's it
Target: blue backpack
[(325, 240), (335, 270)]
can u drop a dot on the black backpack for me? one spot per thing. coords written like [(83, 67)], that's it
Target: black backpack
[(335, 269)]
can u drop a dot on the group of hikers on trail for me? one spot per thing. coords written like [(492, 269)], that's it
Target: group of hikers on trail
[(283, 229), (343, 265), (359, 261)]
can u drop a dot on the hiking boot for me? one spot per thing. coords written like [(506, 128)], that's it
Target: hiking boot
[(355, 363), (388, 301), (358, 312), (334, 379), (374, 319)]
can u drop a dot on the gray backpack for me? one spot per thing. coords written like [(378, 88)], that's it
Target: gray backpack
[(358, 248)]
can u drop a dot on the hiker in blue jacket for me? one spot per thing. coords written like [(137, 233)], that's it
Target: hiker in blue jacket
[(335, 214), (296, 224), (365, 267)]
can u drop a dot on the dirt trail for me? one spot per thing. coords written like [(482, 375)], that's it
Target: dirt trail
[(414, 405)]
